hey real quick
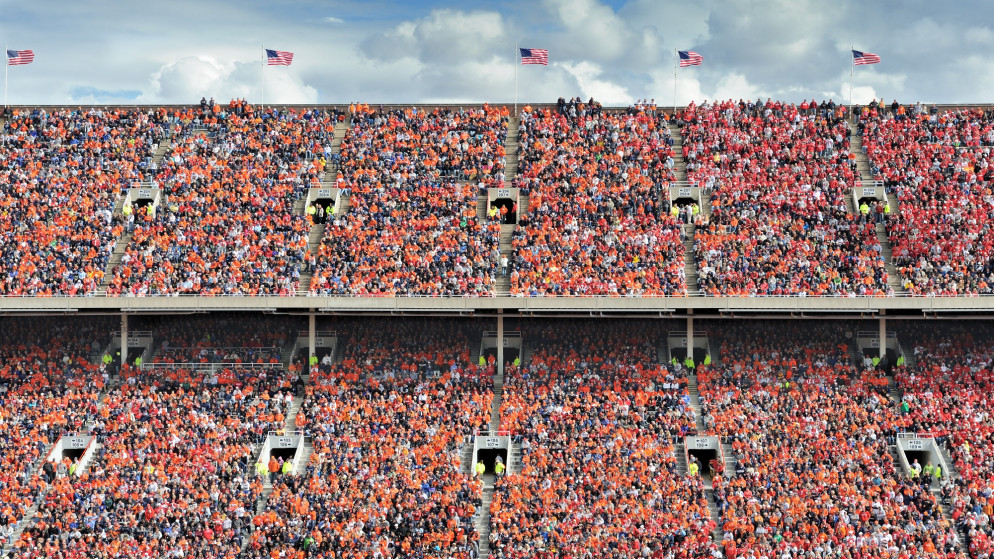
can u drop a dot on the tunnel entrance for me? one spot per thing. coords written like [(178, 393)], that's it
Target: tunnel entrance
[(511, 215), (489, 458)]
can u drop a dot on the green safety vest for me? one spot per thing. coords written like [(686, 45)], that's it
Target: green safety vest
[(938, 472), (693, 468), (876, 361), (313, 360), (311, 210), (864, 209), (675, 361), (261, 469), (138, 361), (689, 362), (900, 360), (499, 468), (107, 359), (887, 208), (517, 361), (287, 466), (480, 468), (483, 361), (707, 359)]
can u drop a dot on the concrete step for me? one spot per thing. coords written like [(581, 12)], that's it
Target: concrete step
[(305, 458), (718, 533), (291, 414), (25, 521), (512, 150), (689, 263), (339, 134), (115, 259)]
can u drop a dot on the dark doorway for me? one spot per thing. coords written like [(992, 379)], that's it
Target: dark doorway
[(325, 210), (73, 454), (704, 457), (489, 457), (681, 354), (284, 453), (511, 217), (510, 354)]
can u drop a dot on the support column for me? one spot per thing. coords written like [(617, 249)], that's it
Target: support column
[(500, 345), (690, 334), (311, 339), (124, 340), (883, 337)]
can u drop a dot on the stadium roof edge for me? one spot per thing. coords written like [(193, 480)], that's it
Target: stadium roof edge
[(515, 305)]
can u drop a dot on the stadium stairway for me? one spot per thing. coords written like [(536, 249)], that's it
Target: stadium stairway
[(482, 517), (511, 151), (689, 264), (717, 534), (466, 456), (503, 287), (115, 259), (695, 400), (22, 525), (481, 208), (313, 244), (866, 176)]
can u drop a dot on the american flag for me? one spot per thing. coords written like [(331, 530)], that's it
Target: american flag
[(535, 56), (859, 58), (16, 57), (279, 57), (690, 58)]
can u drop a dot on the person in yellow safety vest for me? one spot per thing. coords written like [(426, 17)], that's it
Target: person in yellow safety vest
[(313, 360), (675, 211), (707, 359), (138, 362), (262, 469), (516, 362), (483, 361), (693, 468), (864, 210), (689, 362), (886, 208), (493, 212), (675, 361), (481, 468), (876, 361), (499, 467), (938, 472), (287, 466), (900, 360), (312, 210)]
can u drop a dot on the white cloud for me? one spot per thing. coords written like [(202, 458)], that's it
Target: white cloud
[(588, 75), (334, 20), (191, 78)]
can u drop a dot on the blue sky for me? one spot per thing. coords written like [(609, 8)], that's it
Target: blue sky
[(384, 51)]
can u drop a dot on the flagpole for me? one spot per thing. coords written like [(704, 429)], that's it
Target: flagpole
[(852, 72), (262, 80), (6, 64), (676, 59), (517, 53)]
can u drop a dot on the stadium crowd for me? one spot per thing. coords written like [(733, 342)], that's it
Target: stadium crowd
[(947, 394), (387, 423), (777, 180), (412, 227), (61, 173), (594, 224), (939, 167), (598, 417), (810, 430), (227, 223), (48, 387)]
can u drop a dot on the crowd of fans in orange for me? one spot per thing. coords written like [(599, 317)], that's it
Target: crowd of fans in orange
[(412, 226), (61, 172), (387, 421), (594, 224), (227, 224), (598, 417), (939, 167), (777, 180), (809, 430)]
